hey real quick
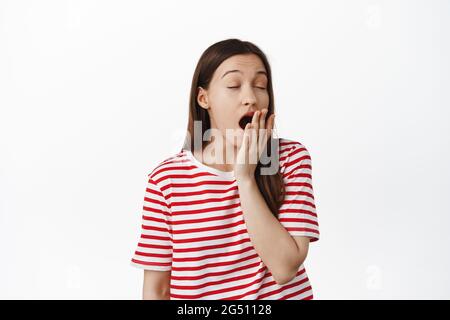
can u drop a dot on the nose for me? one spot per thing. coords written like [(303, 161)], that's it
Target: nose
[(249, 97)]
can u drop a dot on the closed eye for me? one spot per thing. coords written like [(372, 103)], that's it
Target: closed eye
[(262, 88)]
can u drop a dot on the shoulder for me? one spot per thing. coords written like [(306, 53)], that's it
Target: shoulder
[(290, 147), (292, 151), (166, 166)]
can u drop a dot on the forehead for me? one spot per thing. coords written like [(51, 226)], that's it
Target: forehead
[(248, 64)]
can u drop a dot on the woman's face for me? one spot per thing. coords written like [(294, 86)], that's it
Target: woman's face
[(238, 86)]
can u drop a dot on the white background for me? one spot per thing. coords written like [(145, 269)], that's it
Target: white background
[(93, 94)]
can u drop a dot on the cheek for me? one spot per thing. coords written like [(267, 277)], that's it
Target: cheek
[(220, 101), (223, 117), (227, 118), (224, 109), (263, 98), (225, 96)]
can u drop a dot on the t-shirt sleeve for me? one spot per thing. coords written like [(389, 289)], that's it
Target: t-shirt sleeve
[(298, 211), (154, 249)]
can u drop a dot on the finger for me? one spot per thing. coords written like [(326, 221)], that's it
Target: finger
[(254, 133), (252, 148), (255, 120), (254, 145), (262, 141), (262, 118), (270, 124), (262, 129), (247, 129), (245, 141)]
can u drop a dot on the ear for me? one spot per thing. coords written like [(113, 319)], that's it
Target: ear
[(202, 98)]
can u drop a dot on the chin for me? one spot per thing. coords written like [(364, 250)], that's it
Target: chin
[(237, 139)]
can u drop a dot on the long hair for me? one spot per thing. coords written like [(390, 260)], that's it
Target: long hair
[(270, 186)]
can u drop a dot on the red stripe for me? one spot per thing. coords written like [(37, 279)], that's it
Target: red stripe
[(195, 184), (297, 211), (147, 218), (184, 176), (153, 237), (190, 221), (177, 159), (156, 246), (291, 175), (303, 202), (156, 192), (149, 209), (293, 294), (214, 218), (214, 246), (293, 153), (282, 288), (206, 210), (150, 200), (197, 296), (215, 264), (144, 227), (298, 184), (206, 229), (267, 284), (238, 297), (209, 200), (191, 167), (214, 255), (226, 280), (268, 274), (194, 193), (145, 263), (299, 193), (285, 142), (220, 236), (273, 282), (298, 220), (303, 230), (287, 165), (216, 273), (156, 255)]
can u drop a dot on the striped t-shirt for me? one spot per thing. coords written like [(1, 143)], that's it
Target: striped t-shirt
[(193, 225)]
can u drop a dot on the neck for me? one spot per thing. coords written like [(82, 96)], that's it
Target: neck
[(219, 153)]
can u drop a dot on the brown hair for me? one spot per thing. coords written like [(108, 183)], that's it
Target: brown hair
[(270, 186)]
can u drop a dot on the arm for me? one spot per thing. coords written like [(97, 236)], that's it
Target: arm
[(277, 248), (281, 253), (156, 285)]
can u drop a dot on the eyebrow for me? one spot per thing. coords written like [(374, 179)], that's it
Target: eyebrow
[(258, 72)]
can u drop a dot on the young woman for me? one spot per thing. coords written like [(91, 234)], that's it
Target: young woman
[(215, 224)]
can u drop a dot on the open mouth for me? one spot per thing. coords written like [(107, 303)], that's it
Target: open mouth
[(244, 120)]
